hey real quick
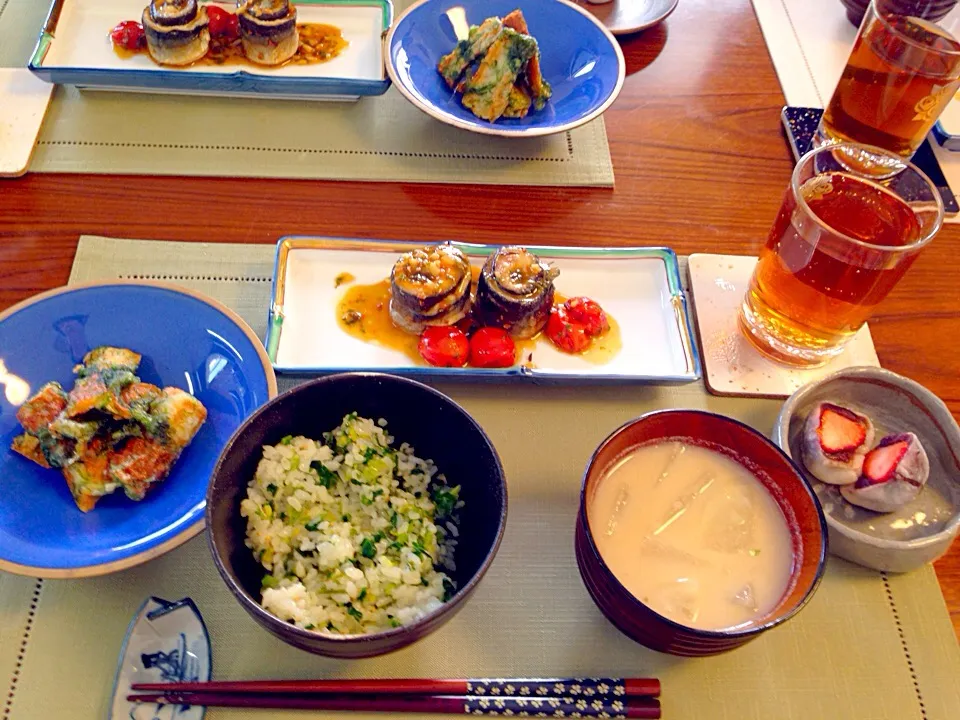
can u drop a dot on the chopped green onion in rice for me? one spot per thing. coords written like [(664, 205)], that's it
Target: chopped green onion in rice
[(356, 536)]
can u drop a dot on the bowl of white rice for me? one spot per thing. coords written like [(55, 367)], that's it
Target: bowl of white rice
[(356, 513)]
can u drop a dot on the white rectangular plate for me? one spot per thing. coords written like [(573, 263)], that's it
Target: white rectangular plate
[(638, 287), (78, 51)]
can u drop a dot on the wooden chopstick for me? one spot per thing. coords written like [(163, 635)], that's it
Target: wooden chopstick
[(588, 688), (628, 707)]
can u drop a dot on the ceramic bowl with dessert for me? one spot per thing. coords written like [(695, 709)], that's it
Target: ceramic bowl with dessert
[(883, 455), (696, 534)]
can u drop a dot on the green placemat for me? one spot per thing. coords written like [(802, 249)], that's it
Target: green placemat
[(381, 138), (867, 646)]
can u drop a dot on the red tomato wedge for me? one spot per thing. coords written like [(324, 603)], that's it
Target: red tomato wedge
[(589, 314), (492, 347), (444, 346), (128, 35), (564, 332), (223, 23)]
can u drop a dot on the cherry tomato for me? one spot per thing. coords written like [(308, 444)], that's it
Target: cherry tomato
[(589, 314), (128, 35), (223, 23), (565, 333), (492, 347), (444, 346)]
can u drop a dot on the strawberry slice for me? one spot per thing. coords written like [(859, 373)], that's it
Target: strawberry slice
[(840, 430), (880, 464)]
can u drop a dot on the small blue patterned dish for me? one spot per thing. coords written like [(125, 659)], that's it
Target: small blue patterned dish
[(579, 58), (165, 642)]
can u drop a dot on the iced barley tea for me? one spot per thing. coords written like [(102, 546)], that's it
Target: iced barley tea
[(901, 74), (813, 287)]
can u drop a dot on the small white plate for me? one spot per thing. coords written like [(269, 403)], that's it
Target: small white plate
[(75, 49), (638, 287)]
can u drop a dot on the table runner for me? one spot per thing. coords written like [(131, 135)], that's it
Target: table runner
[(380, 138), (809, 41), (868, 645)]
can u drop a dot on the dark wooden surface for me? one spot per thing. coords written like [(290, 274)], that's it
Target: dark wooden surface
[(700, 165)]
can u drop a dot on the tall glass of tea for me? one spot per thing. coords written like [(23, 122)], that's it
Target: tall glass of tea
[(840, 243), (902, 72)]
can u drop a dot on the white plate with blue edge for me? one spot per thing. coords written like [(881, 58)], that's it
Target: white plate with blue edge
[(579, 57), (165, 642), (639, 287), (75, 49)]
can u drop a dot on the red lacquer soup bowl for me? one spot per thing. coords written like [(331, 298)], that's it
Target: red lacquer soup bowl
[(766, 462)]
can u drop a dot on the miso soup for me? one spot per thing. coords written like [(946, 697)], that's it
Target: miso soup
[(693, 535)]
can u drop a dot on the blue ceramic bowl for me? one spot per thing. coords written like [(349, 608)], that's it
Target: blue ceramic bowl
[(579, 58), (186, 341)]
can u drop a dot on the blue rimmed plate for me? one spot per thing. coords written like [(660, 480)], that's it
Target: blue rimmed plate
[(187, 341), (75, 49), (639, 287), (579, 58)]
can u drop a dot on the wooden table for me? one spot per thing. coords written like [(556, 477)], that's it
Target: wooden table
[(700, 166)]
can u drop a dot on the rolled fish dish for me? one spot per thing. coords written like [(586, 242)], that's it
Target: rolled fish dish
[(177, 31), (515, 292), (429, 287), (268, 30)]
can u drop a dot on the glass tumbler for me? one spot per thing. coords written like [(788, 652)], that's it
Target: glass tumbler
[(902, 72), (840, 243)]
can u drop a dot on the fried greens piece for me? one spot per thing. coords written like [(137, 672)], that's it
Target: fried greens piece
[(540, 90), (139, 463), (109, 358), (29, 447), (478, 41), (487, 92), (518, 104), (87, 477), (100, 379), (138, 398), (41, 409), (182, 415), (111, 430)]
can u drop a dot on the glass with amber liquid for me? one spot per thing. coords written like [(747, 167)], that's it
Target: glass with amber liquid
[(840, 243), (900, 76)]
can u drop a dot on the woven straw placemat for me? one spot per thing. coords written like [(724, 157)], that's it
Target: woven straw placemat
[(868, 646), (378, 138)]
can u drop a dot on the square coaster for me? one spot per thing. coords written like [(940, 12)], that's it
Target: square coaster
[(23, 104), (731, 365)]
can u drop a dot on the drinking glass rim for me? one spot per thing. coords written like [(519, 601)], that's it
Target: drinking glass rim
[(906, 38), (894, 250)]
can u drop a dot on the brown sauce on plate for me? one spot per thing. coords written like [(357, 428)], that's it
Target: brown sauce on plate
[(363, 312), (318, 43)]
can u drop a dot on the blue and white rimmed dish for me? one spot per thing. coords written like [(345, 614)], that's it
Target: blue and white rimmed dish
[(639, 287), (165, 642), (579, 58), (74, 49), (187, 341)]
